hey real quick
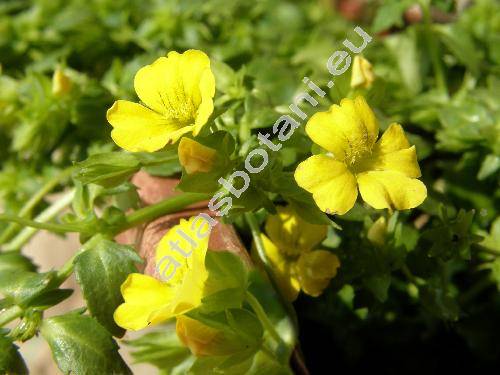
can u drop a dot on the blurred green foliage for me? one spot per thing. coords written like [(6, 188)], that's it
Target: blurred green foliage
[(433, 282)]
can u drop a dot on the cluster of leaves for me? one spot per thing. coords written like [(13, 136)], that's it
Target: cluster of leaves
[(438, 263)]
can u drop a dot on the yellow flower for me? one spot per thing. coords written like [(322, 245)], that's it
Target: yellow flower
[(385, 171), (362, 73), (203, 340), (289, 249), (195, 157), (182, 263), (61, 83), (178, 92)]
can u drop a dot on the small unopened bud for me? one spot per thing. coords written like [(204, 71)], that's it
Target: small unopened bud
[(203, 340), (362, 73), (377, 232), (61, 83), (195, 157)]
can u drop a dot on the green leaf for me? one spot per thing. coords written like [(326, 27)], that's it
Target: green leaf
[(274, 308), (15, 261), (460, 44), (226, 283), (80, 345), (22, 286), (439, 302), (107, 169), (100, 271), (11, 361), (378, 285), (162, 349), (405, 50), (389, 14), (490, 165)]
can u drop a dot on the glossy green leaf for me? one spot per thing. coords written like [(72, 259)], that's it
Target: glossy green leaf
[(80, 345), (100, 270)]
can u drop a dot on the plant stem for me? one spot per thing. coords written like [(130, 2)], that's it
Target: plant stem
[(164, 207), (67, 269), (262, 316), (486, 250), (409, 275), (259, 245), (9, 314), (33, 202), (49, 213), (433, 48), (53, 227)]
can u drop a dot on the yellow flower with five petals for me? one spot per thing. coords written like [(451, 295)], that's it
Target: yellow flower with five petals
[(290, 248), (385, 171), (151, 301), (177, 92)]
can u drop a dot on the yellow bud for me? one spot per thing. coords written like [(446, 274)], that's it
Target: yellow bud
[(203, 340), (362, 73), (61, 83), (195, 157), (376, 233)]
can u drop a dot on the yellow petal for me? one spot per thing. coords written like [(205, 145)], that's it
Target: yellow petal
[(333, 186), (389, 189), (362, 72), (180, 259), (179, 86), (143, 295), (393, 139), (137, 128), (348, 131), (315, 270), (292, 234), (391, 153), (282, 270), (195, 157)]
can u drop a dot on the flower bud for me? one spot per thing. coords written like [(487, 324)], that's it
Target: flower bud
[(195, 157), (203, 340), (61, 83), (362, 73), (376, 233)]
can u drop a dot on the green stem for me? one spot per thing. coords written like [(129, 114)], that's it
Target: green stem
[(48, 214), (33, 202), (409, 275), (9, 314), (53, 227), (259, 245), (165, 207), (433, 48), (262, 316), (486, 250)]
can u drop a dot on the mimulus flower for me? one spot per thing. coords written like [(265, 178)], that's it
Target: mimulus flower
[(177, 92), (385, 171), (150, 301), (195, 157), (362, 73), (295, 264)]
